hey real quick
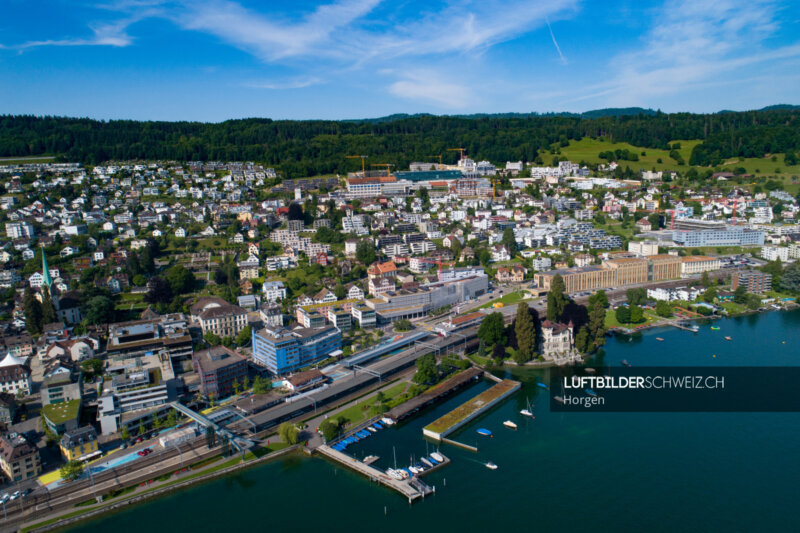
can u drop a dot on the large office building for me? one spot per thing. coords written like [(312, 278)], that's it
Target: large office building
[(168, 333), (697, 264), (418, 302), (219, 368), (717, 236), (283, 350), (753, 281), (617, 272)]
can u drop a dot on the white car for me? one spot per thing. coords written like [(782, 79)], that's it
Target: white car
[(16, 495)]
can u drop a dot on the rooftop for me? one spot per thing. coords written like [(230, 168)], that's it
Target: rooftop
[(58, 413)]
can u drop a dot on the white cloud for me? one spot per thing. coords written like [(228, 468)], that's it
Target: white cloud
[(429, 87), (283, 85), (690, 44)]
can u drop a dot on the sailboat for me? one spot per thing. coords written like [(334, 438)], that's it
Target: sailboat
[(527, 411)]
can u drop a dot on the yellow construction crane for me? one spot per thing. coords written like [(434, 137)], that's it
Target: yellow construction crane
[(363, 164), (387, 165), (457, 150), (440, 159)]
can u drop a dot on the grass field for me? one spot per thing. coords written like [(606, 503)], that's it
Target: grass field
[(612, 322), (506, 299), (361, 411), (587, 149)]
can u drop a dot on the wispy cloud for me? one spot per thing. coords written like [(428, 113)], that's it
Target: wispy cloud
[(690, 44), (555, 43), (431, 88), (283, 85), (104, 34)]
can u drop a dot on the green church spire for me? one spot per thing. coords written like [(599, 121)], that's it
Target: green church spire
[(46, 279)]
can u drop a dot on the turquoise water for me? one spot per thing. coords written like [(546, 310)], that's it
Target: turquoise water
[(564, 472)]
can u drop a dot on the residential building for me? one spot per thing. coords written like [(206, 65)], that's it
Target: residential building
[(219, 368), (223, 320), (514, 274), (79, 444), (364, 315), (15, 376), (274, 291), (697, 264), (8, 408), (773, 253), (19, 230), (19, 459), (283, 350), (718, 236), (558, 342), (753, 281)]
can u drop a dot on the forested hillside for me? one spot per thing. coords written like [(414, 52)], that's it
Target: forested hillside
[(302, 148)]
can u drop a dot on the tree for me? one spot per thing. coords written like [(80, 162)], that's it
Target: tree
[(244, 336), (95, 366), (636, 296), (499, 352), (330, 429), (709, 295), (48, 309), (582, 342), (289, 433), (623, 314), (790, 281), (556, 299), (125, 434), (663, 309), (158, 291), (422, 194), (339, 291), (296, 212), (655, 221), (753, 301), (426, 369), (740, 295), (637, 315), (212, 339), (491, 330), (71, 470), (99, 310), (704, 280), (261, 385), (33, 312), (525, 331), (600, 298), (180, 279), (402, 325), (172, 418), (365, 252), (509, 241), (142, 431)]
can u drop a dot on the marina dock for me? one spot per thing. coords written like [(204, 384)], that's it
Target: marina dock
[(440, 428), (410, 488), (436, 393)]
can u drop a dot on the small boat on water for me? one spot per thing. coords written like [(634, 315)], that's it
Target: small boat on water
[(590, 392), (728, 339), (485, 432), (387, 421), (590, 370), (715, 328), (372, 429), (426, 462), (559, 399), (527, 411), (438, 457), (625, 362), (542, 385), (491, 466), (659, 339), (510, 424)]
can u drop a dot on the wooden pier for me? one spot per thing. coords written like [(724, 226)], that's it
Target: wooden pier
[(411, 488), (460, 444), (443, 426)]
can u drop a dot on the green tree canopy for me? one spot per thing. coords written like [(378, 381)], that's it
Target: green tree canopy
[(426, 369), (492, 329), (556, 299)]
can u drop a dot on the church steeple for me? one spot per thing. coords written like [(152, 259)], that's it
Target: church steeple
[(46, 278)]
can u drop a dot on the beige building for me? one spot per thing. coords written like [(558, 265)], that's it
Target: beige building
[(629, 270), (664, 266), (697, 264), (644, 248), (579, 279), (617, 272), (223, 321), (558, 342), (19, 459)]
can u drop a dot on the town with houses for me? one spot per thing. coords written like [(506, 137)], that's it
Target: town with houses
[(153, 310)]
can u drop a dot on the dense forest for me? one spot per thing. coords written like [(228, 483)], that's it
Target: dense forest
[(301, 148)]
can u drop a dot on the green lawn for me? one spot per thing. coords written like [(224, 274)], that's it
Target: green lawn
[(762, 165), (361, 411), (588, 149), (612, 322), (506, 299), (58, 413)]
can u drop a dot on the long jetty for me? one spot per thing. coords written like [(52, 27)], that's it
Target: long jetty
[(441, 427), (436, 393), (411, 489)]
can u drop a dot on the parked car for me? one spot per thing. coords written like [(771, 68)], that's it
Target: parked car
[(16, 495), (4, 498), (145, 452)]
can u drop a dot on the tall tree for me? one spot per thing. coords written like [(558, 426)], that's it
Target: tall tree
[(509, 241), (365, 252), (556, 299), (48, 309), (491, 329), (525, 332), (33, 312), (99, 310)]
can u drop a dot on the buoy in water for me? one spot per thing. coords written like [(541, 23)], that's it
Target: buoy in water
[(714, 355)]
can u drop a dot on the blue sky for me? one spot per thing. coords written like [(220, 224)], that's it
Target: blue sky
[(213, 60)]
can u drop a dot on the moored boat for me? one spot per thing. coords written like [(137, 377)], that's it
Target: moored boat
[(510, 424), (485, 432), (426, 462), (491, 466), (590, 392), (439, 457)]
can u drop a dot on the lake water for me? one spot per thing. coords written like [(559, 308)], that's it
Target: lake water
[(560, 472)]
